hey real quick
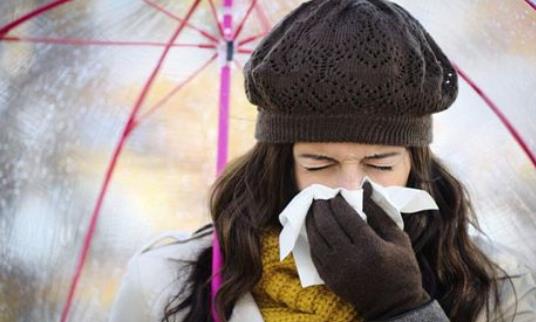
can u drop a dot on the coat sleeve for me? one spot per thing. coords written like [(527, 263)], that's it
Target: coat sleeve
[(431, 311), (154, 274), (522, 285), (130, 303)]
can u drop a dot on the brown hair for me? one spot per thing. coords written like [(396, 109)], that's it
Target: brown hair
[(255, 187)]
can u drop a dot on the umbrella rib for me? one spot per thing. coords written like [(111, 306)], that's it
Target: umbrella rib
[(175, 17), (531, 4), (34, 13), (174, 91), (266, 25), (111, 166), (502, 117), (93, 42), (244, 51), (215, 15), (241, 24), (251, 38)]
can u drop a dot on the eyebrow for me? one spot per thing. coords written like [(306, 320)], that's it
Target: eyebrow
[(370, 157)]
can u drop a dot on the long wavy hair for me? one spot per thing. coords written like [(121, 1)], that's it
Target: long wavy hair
[(247, 197)]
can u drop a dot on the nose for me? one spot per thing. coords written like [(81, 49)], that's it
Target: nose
[(350, 178)]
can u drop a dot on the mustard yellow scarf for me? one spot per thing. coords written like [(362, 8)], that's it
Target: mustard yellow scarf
[(281, 297)]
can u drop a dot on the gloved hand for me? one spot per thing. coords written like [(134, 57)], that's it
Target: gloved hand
[(372, 266)]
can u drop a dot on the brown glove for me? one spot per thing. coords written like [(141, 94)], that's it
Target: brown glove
[(372, 266)]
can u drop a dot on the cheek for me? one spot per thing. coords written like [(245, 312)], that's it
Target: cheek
[(305, 178), (390, 178)]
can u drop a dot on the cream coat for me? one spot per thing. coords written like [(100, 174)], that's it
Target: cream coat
[(152, 277)]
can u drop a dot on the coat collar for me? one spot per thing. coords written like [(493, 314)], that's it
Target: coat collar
[(186, 247)]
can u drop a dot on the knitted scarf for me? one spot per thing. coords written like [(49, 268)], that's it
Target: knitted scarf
[(280, 296)]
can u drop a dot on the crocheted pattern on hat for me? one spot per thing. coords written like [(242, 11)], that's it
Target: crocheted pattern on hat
[(347, 56)]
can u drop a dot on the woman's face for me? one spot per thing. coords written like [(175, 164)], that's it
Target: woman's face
[(345, 164)]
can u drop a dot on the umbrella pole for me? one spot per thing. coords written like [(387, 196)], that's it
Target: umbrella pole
[(223, 136)]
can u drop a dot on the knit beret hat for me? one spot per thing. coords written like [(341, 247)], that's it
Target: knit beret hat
[(348, 70)]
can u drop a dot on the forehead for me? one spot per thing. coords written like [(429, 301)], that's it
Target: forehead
[(344, 149)]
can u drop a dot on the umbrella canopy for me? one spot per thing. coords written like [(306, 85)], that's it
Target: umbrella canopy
[(116, 116)]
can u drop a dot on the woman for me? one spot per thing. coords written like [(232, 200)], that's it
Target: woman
[(344, 89)]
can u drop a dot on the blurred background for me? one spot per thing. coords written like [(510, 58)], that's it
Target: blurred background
[(70, 76)]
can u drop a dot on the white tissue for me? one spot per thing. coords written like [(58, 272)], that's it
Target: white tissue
[(293, 237)]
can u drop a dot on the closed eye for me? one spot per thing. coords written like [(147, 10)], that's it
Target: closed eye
[(381, 168), (316, 169)]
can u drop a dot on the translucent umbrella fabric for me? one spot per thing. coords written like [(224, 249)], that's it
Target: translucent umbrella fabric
[(71, 75)]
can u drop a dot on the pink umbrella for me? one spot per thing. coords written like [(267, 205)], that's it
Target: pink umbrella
[(224, 40)]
